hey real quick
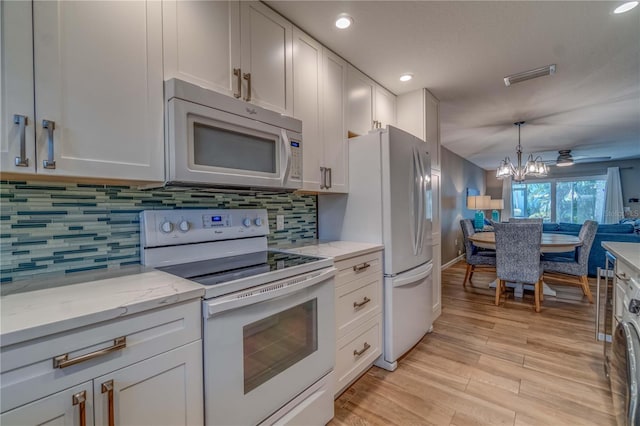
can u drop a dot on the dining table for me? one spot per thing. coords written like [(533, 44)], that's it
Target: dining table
[(551, 243)]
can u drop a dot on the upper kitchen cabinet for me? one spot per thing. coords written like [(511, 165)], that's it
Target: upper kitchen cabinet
[(97, 81), (370, 106), (319, 101), (242, 49), (419, 114)]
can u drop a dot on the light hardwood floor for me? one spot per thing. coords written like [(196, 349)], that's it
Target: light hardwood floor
[(485, 364)]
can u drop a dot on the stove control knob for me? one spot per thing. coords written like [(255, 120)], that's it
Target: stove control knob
[(166, 227), (634, 306), (246, 222), (184, 226), (258, 222)]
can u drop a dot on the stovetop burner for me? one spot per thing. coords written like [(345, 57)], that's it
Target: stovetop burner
[(225, 269)]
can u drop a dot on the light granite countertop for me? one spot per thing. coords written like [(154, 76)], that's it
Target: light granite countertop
[(32, 314), (338, 250), (628, 252)]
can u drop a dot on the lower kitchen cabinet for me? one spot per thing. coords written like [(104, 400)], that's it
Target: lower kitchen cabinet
[(145, 369), (358, 316)]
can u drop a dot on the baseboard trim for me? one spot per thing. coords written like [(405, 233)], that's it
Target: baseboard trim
[(452, 262)]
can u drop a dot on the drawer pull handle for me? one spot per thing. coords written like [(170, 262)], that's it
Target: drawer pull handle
[(361, 267), (357, 305), (107, 387), (49, 126), (62, 361), (623, 277), (80, 399), (363, 350)]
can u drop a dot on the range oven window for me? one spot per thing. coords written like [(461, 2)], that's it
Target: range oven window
[(273, 344), (217, 147)]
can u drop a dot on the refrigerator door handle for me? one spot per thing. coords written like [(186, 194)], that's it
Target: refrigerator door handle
[(423, 184), (415, 225), (421, 273)]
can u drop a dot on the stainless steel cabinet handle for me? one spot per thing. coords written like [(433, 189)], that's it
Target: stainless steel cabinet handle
[(50, 126), (62, 361), (361, 267), (323, 178), (247, 76), (107, 387), (80, 399), (22, 121), (238, 74), (363, 350), (357, 305), (330, 178), (623, 277)]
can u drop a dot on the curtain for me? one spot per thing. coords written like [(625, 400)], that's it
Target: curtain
[(506, 197), (613, 207)]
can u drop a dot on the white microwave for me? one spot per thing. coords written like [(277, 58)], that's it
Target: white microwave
[(216, 140)]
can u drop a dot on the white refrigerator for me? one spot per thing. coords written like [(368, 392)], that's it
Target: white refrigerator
[(389, 202)]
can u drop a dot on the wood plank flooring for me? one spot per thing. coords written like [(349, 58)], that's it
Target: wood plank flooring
[(490, 365)]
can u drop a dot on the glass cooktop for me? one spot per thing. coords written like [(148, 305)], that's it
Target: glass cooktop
[(225, 269)]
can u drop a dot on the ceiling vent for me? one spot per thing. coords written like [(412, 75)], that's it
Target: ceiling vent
[(528, 75)]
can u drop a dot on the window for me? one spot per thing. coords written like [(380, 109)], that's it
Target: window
[(571, 200)]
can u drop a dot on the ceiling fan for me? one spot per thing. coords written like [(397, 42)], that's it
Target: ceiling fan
[(566, 159)]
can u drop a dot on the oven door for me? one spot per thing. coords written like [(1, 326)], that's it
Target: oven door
[(210, 146), (266, 345), (625, 374)]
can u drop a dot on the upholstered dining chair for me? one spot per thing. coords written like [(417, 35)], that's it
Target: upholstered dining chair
[(518, 257), (573, 270), (474, 257), (525, 220)]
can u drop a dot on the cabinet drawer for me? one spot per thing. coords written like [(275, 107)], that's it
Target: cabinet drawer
[(356, 302), (351, 361), (358, 267), (28, 371)]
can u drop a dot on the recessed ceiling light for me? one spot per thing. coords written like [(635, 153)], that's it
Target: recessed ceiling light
[(406, 77), (344, 21), (625, 7)]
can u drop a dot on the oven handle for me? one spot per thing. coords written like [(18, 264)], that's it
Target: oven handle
[(266, 292), (287, 149)]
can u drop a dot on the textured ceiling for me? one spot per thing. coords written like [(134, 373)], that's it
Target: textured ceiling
[(462, 50)]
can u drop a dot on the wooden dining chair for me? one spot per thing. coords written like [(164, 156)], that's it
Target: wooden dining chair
[(474, 257), (518, 257), (572, 270)]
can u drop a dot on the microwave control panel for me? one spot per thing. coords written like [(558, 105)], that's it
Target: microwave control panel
[(296, 159)]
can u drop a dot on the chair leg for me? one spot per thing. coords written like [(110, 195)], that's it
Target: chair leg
[(466, 275), (537, 291), (473, 268), (585, 288), (499, 284), (541, 292)]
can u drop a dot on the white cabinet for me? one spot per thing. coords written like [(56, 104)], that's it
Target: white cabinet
[(419, 114), (141, 369), (97, 80), (437, 240), (437, 281), (369, 105), (319, 101), (241, 49), (358, 316)]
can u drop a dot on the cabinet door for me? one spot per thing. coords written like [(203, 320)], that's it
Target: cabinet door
[(410, 113), (437, 281), (164, 390), (61, 409), (433, 128), (266, 53), (16, 88), (202, 43), (359, 102), (385, 107), (336, 149), (307, 105), (98, 77)]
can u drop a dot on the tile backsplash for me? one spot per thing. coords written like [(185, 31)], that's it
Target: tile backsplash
[(65, 227)]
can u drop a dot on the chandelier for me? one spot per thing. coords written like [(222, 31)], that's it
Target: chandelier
[(533, 167)]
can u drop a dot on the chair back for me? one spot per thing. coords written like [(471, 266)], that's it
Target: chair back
[(525, 220), (467, 231), (518, 251), (587, 235)]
